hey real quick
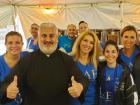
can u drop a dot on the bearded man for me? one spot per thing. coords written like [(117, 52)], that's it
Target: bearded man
[(46, 76)]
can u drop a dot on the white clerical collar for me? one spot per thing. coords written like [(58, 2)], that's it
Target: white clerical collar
[(47, 55)]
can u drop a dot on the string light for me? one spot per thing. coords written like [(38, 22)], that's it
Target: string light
[(49, 11)]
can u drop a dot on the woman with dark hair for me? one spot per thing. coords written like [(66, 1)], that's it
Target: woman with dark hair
[(83, 26), (13, 43), (130, 53), (115, 84)]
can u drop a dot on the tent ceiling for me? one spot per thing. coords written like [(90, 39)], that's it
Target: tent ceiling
[(106, 14), (54, 2), (32, 2)]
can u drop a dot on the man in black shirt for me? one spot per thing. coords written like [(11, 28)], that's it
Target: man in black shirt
[(46, 76)]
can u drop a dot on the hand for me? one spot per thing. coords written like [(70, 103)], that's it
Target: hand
[(62, 49), (12, 89), (76, 89)]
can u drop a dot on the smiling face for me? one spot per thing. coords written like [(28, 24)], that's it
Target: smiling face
[(34, 30), (71, 31), (86, 44), (83, 27), (129, 39), (48, 39), (110, 54), (14, 44)]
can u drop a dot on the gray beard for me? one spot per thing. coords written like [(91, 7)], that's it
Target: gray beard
[(48, 50)]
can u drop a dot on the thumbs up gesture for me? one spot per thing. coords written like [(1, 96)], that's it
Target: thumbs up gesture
[(76, 89), (12, 89)]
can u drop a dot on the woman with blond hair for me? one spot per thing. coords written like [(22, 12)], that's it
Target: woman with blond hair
[(85, 51)]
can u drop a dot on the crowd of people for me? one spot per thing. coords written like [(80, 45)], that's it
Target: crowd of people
[(66, 69)]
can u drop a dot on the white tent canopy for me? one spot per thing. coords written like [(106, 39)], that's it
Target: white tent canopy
[(99, 14)]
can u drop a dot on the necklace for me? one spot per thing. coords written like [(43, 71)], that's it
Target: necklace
[(88, 70)]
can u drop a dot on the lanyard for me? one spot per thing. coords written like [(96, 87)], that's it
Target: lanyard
[(109, 86), (112, 78)]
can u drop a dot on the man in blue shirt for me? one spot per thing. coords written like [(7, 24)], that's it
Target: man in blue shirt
[(32, 42), (66, 42)]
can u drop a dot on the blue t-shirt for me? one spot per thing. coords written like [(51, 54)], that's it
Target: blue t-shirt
[(129, 60), (110, 84), (91, 73), (30, 44), (66, 43), (24, 53), (4, 71)]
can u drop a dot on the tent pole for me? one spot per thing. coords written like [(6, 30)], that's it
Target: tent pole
[(14, 16), (121, 13), (121, 18)]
